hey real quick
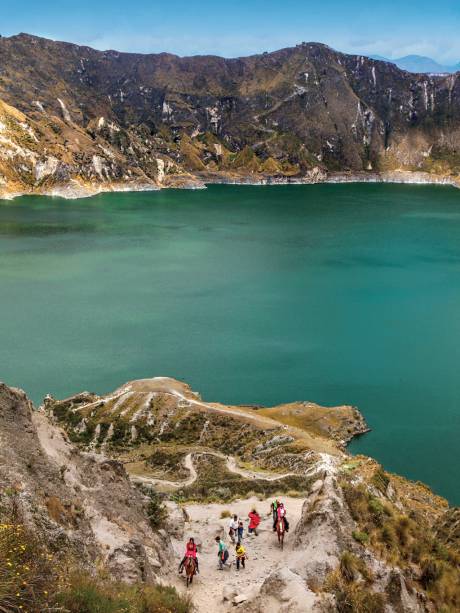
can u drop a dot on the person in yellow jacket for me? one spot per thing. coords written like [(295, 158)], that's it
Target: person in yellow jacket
[(240, 556)]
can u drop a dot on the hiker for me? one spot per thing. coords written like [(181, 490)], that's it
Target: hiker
[(240, 531), (222, 553), (233, 528), (240, 556), (254, 521), (190, 552), (281, 514), (274, 511)]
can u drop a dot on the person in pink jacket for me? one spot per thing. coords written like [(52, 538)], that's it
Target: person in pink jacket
[(190, 552), (281, 512)]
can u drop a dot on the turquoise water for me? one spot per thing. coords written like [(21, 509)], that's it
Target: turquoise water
[(331, 293)]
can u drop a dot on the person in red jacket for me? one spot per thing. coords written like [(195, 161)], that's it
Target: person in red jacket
[(254, 521), (190, 552)]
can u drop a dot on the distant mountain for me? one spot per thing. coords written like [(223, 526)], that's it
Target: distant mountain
[(419, 63), (73, 119)]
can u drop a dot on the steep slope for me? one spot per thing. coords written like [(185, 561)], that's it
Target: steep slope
[(75, 501), (109, 120), (361, 539)]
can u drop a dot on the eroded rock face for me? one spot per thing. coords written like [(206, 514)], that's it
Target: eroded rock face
[(286, 591), (324, 529), (81, 121), (82, 503)]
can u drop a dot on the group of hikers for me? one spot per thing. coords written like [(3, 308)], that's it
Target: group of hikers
[(236, 533)]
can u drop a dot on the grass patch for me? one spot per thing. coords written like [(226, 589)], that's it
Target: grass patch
[(86, 594)]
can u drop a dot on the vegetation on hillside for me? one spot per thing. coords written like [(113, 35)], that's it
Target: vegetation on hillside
[(403, 535), (36, 579)]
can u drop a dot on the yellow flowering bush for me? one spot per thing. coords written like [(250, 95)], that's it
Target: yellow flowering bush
[(25, 571)]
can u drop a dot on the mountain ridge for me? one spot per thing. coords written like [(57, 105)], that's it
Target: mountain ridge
[(94, 120)]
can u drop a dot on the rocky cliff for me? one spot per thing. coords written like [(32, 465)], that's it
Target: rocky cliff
[(76, 501), (112, 485), (74, 120)]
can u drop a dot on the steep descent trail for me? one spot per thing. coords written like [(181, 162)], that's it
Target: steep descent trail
[(264, 554)]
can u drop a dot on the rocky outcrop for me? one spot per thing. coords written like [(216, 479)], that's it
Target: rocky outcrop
[(81, 504), (286, 591), (324, 529), (75, 121)]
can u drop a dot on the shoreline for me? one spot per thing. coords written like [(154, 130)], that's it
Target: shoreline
[(75, 190)]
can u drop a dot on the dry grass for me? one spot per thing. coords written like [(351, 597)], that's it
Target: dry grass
[(403, 539)]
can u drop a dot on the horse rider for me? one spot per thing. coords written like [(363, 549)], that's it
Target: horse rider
[(274, 511), (281, 515), (190, 552)]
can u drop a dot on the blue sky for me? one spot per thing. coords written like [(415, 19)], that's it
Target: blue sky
[(392, 28)]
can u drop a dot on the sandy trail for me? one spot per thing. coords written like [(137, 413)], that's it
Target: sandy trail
[(175, 485), (264, 554), (231, 465)]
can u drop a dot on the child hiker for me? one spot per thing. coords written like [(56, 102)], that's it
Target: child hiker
[(240, 556), (240, 531)]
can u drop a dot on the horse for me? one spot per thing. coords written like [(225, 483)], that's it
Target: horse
[(280, 530), (190, 570)]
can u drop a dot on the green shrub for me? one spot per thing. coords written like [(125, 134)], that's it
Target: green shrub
[(156, 510), (361, 537)]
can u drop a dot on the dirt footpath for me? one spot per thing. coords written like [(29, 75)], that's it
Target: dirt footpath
[(264, 553)]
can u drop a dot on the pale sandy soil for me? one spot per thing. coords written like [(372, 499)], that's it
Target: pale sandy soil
[(264, 554)]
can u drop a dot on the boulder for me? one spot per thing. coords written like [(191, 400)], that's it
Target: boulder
[(285, 591), (239, 599), (228, 593)]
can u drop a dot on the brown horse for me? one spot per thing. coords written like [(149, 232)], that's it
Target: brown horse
[(190, 570), (280, 530)]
